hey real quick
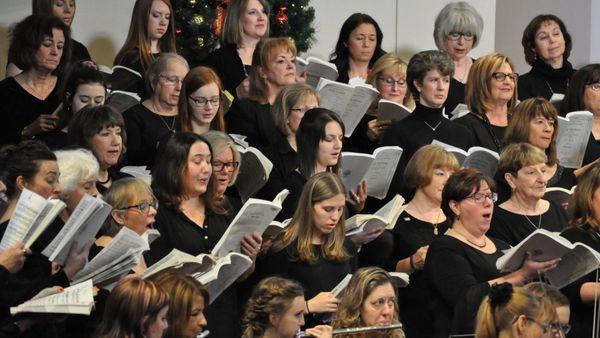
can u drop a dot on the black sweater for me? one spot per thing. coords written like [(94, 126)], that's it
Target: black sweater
[(486, 134), (226, 62), (543, 80), (254, 120)]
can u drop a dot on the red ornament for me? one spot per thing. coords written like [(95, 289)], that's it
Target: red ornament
[(220, 19), (178, 32), (282, 17)]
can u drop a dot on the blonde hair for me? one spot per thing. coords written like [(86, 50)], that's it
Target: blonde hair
[(121, 194), (320, 187), (419, 169), (477, 92), (505, 304), (272, 296), (265, 51), (362, 283), (137, 37), (520, 120), (395, 64), (286, 99), (182, 290)]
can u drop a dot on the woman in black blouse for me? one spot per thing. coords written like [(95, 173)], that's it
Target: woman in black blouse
[(313, 248), (428, 77), (288, 110), (102, 130), (535, 121), (187, 218), (421, 222), (457, 31), (151, 32), (585, 228), (154, 119), (461, 265), (547, 45), (246, 22), (491, 95), (523, 166), (40, 46), (357, 48), (273, 68)]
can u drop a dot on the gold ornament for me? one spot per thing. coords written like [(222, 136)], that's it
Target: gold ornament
[(200, 42), (192, 2), (197, 19)]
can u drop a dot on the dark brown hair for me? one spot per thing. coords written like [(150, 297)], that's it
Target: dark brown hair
[(528, 40), (461, 185)]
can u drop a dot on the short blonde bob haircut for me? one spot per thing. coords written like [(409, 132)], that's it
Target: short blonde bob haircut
[(478, 90), (393, 63), (266, 50), (516, 156), (419, 169), (520, 120), (285, 101), (122, 193)]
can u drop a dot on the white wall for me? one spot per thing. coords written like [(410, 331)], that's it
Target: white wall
[(407, 25)]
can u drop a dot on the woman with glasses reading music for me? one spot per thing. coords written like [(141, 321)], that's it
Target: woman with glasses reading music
[(461, 265), (547, 45), (523, 166), (490, 95), (149, 122), (458, 28), (200, 102)]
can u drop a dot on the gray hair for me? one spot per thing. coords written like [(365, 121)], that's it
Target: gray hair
[(220, 142), (459, 17), (286, 99), (421, 63), (159, 66), (75, 166)]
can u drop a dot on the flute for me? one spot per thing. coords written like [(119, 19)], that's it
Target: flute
[(203, 334), (350, 330)]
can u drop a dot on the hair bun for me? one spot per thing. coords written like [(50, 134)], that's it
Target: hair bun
[(500, 294)]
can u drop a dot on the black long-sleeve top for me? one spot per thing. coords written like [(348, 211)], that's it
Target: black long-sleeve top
[(285, 160), (582, 314), (127, 81), (253, 119), (145, 131), (543, 80), (416, 131), (457, 275), (513, 228), (177, 231), (226, 62), (410, 234), (456, 95), (359, 141), (19, 109), (486, 135)]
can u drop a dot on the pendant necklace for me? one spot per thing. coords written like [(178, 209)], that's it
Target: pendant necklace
[(437, 219), (172, 127), (436, 126), (538, 226)]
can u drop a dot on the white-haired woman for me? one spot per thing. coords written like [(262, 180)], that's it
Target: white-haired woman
[(78, 175), (457, 31)]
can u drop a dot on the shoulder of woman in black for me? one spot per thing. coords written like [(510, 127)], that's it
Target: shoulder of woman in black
[(252, 119), (284, 160), (295, 184), (79, 51), (226, 62), (563, 178), (359, 141)]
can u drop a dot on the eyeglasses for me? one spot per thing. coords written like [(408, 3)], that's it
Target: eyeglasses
[(480, 197), (143, 207), (390, 82), (498, 76), (555, 328), (218, 165), (171, 80), (204, 101), (595, 86), (455, 36)]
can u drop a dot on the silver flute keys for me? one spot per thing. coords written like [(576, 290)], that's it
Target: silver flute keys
[(359, 329)]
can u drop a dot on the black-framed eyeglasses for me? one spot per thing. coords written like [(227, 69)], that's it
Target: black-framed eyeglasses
[(499, 76), (556, 329), (203, 101), (390, 82), (480, 197), (455, 36), (218, 165), (143, 207)]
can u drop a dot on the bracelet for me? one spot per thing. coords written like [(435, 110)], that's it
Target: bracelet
[(307, 309), (412, 264)]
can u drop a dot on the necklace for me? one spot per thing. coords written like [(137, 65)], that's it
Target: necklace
[(436, 126), (528, 219), (172, 127), (437, 219), (480, 246)]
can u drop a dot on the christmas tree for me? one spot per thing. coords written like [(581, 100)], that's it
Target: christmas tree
[(199, 24)]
